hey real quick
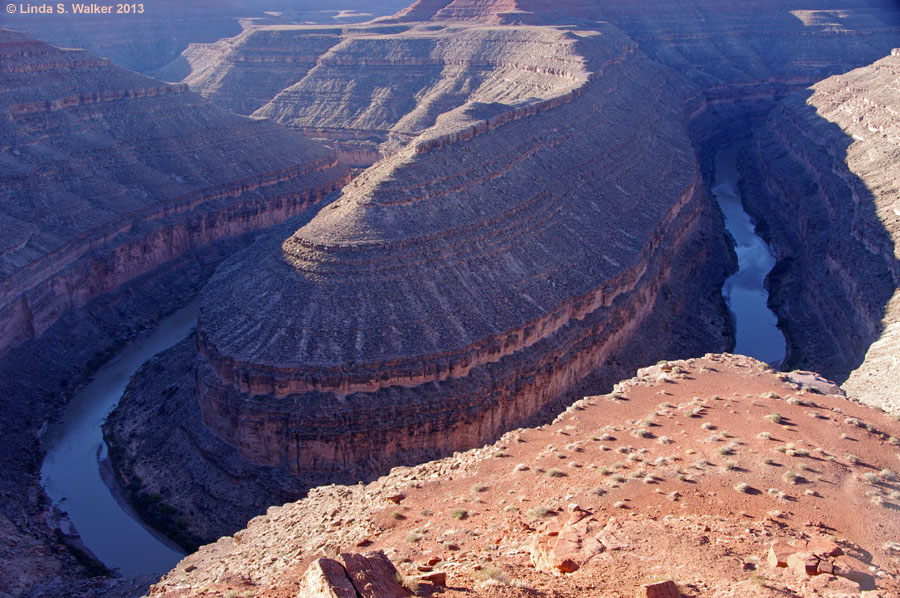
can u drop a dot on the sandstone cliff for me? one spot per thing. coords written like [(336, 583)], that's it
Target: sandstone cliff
[(108, 174), (118, 196), (830, 202), (460, 286)]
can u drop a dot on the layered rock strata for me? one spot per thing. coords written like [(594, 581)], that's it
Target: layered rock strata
[(829, 198), (457, 288), (147, 37), (369, 90), (108, 174), (747, 51)]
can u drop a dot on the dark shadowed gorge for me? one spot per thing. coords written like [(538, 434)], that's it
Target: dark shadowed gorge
[(527, 222)]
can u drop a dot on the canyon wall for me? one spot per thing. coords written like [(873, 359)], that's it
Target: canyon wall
[(148, 37), (370, 89), (828, 195), (118, 196), (108, 174), (748, 52), (412, 317)]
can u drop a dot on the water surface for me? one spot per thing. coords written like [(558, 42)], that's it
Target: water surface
[(757, 327), (74, 446)]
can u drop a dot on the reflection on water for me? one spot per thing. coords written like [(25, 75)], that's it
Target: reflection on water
[(71, 472), (757, 332)]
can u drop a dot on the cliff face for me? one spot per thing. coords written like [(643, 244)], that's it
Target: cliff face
[(829, 199), (108, 174), (752, 49), (371, 89), (149, 41), (460, 286)]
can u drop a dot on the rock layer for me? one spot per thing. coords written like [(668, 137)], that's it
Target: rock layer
[(748, 50), (460, 286), (830, 202), (370, 90), (108, 174)]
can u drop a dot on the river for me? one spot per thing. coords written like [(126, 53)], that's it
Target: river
[(74, 447), (745, 292)]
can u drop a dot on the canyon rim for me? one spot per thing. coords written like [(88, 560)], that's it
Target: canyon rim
[(412, 234)]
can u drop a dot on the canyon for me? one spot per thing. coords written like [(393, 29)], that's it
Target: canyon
[(119, 196), (410, 318), (532, 205), (833, 215), (151, 35)]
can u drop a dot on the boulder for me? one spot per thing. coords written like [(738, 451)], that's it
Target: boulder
[(566, 549), (803, 562), (326, 578), (663, 589), (778, 554), (373, 575)]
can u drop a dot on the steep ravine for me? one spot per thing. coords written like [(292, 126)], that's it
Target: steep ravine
[(118, 197), (411, 318), (819, 175)]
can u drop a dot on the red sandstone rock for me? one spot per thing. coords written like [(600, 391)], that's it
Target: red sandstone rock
[(326, 578), (778, 554), (438, 578), (566, 550), (663, 589), (803, 562), (825, 566), (822, 547), (373, 575)]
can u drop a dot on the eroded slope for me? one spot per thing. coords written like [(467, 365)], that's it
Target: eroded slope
[(690, 471), (831, 202), (107, 174), (460, 286)]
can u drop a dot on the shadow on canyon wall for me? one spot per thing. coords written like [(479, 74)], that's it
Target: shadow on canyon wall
[(835, 270)]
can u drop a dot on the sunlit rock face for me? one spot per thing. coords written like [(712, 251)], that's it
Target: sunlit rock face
[(108, 174), (829, 193), (470, 279)]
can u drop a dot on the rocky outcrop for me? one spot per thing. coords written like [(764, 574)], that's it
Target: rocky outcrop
[(828, 198), (412, 317), (108, 174), (679, 474)]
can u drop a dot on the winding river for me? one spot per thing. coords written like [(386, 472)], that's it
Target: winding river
[(74, 448), (757, 327)]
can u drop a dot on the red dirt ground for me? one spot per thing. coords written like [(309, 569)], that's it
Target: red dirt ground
[(693, 469)]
